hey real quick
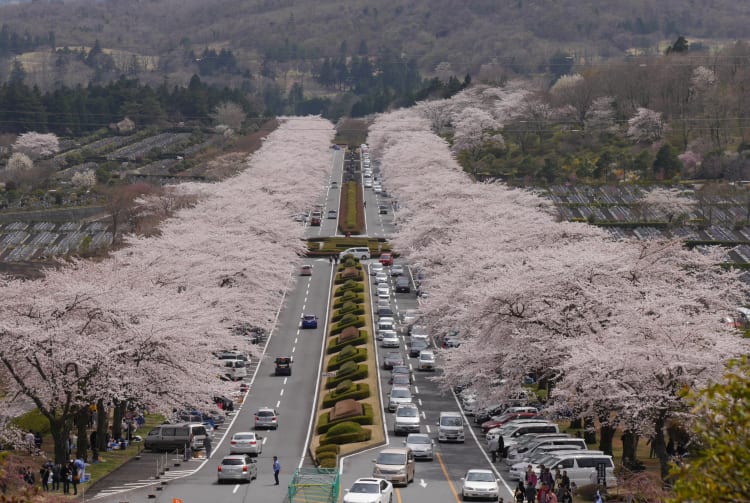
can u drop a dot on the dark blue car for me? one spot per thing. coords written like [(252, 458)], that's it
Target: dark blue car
[(309, 321)]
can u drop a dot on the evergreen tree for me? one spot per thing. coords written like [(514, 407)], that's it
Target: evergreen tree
[(666, 164)]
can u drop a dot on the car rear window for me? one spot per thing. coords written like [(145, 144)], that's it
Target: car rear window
[(265, 413), (199, 430), (246, 436), (233, 462)]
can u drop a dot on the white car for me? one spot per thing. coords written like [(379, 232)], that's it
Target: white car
[(377, 188), (368, 183), (480, 484), (375, 268), (397, 270), (369, 490), (390, 339), (245, 442), (381, 277), (382, 334), (384, 295), (426, 360), (384, 289)]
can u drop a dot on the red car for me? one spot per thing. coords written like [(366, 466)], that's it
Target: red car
[(498, 421), (386, 258)]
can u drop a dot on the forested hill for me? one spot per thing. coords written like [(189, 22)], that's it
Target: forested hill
[(519, 34)]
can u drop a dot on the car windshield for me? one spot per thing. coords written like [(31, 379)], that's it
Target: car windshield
[(407, 412), (365, 488), (386, 458), (450, 421), (401, 393), (480, 477), (418, 439)]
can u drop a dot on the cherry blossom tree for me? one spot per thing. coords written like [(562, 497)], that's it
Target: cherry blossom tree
[(646, 126), (606, 321), (18, 164), (671, 203), (600, 116), (138, 327), (229, 114), (84, 179), (37, 145)]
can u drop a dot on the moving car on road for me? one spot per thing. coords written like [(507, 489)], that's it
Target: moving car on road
[(397, 270), (390, 339), (309, 321), (386, 258), (426, 360), (283, 366), (369, 490), (403, 285), (305, 270), (392, 359), (480, 484), (237, 467), (398, 396), (421, 445), (395, 465), (266, 418), (332, 214), (246, 442), (406, 419)]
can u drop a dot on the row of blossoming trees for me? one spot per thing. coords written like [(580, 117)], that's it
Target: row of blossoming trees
[(621, 328), (139, 327)]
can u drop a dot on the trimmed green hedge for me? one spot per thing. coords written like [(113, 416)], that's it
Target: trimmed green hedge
[(334, 346), (328, 462), (340, 279), (358, 392), (356, 321), (348, 297), (324, 449), (359, 355), (349, 286), (347, 438), (344, 426), (340, 313), (360, 373)]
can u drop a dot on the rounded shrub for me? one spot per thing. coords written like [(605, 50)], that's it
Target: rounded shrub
[(347, 352), (344, 386), (344, 427), (347, 368)]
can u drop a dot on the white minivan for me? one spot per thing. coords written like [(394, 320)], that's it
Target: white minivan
[(235, 369), (582, 467), (362, 253)]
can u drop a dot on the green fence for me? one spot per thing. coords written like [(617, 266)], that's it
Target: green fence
[(314, 485)]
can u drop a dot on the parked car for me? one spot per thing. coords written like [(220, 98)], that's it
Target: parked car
[(245, 442), (421, 445), (369, 490), (426, 360), (305, 270), (390, 340), (417, 346), (396, 465), (497, 421), (386, 258), (266, 418), (403, 285), (237, 467), (398, 396), (397, 270), (480, 484), (309, 321), (392, 359)]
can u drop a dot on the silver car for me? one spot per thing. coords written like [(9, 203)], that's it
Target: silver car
[(246, 442), (398, 396), (421, 445), (266, 418), (237, 467)]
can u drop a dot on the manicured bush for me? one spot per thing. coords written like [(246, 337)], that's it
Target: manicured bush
[(347, 368), (343, 387), (360, 373), (356, 298), (356, 391), (334, 346), (346, 425), (349, 286), (325, 449), (348, 438), (358, 310), (328, 462), (354, 321), (356, 355)]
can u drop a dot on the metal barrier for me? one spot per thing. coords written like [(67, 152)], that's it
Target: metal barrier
[(314, 485)]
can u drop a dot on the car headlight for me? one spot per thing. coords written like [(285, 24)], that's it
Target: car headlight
[(402, 471)]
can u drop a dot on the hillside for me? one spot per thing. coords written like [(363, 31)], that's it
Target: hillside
[(521, 35)]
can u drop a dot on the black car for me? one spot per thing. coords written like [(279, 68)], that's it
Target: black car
[(417, 346), (403, 285), (393, 359), (385, 312), (383, 209), (283, 366)]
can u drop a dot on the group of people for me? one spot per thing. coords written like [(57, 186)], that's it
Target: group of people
[(53, 475), (545, 487)]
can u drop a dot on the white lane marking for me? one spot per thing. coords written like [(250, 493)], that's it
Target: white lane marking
[(278, 403), (420, 403), (294, 348), (426, 427), (295, 340), (264, 440), (411, 368), (236, 488), (285, 379), (416, 390), (423, 415), (282, 392)]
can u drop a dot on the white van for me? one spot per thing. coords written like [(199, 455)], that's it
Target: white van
[(386, 324), (450, 427), (235, 369), (362, 253), (582, 467)]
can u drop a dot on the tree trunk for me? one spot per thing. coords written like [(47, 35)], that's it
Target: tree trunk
[(576, 424), (660, 447), (102, 424), (82, 422), (117, 416), (60, 432), (607, 433), (589, 432), (629, 449)]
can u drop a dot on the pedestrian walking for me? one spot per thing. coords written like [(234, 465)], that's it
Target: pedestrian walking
[(207, 446), (276, 469), (500, 447), (492, 445), (45, 474)]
